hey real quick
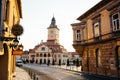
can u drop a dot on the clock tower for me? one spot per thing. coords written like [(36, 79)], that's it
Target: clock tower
[(53, 31)]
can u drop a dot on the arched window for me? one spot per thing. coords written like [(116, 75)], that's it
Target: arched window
[(45, 55), (40, 61), (37, 55), (40, 54), (43, 48), (44, 61), (48, 54)]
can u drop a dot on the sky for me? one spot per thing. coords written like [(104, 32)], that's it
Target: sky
[(37, 15)]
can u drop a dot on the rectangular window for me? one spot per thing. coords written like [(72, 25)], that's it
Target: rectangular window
[(96, 27), (78, 35), (116, 21)]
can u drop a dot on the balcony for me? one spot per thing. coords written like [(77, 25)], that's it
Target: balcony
[(79, 47)]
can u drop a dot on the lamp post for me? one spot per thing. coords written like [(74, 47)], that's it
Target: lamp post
[(15, 43), (17, 30), (20, 47)]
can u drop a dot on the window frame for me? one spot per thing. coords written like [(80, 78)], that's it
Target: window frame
[(98, 57), (37, 54), (78, 35), (43, 48), (95, 31), (114, 27)]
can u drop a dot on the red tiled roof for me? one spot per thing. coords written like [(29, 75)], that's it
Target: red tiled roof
[(51, 44), (31, 51), (55, 47)]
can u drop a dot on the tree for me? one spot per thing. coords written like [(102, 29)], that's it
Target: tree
[(27, 61), (53, 62), (68, 62), (59, 62), (74, 62), (36, 61), (77, 62), (48, 62)]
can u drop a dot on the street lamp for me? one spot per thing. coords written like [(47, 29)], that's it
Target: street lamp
[(15, 44), (20, 47), (16, 30)]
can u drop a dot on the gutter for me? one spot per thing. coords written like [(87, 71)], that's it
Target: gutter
[(1, 17)]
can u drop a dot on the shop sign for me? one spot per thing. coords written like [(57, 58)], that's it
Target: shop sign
[(17, 52), (17, 30)]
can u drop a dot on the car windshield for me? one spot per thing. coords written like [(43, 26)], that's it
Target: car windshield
[(19, 62)]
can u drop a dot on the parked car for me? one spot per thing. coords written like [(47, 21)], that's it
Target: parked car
[(19, 63)]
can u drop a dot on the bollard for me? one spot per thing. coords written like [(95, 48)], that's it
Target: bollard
[(37, 78), (34, 76)]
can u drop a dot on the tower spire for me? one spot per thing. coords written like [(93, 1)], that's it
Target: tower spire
[(53, 23)]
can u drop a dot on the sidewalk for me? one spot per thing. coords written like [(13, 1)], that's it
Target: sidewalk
[(21, 74), (72, 68), (85, 74)]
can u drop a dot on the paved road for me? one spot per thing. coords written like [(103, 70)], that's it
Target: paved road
[(61, 74)]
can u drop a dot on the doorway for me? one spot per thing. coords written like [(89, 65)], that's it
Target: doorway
[(4, 64)]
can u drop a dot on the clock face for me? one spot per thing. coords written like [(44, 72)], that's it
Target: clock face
[(51, 31), (51, 36)]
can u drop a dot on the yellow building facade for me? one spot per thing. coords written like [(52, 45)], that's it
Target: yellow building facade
[(97, 38), (10, 15)]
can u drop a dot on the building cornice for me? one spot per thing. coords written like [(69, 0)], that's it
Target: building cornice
[(94, 8)]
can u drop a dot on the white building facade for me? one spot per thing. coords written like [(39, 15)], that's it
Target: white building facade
[(51, 50)]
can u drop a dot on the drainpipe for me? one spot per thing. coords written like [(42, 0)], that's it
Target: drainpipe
[(87, 48), (0, 16), (1, 26)]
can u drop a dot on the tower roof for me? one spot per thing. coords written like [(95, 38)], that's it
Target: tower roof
[(53, 23)]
